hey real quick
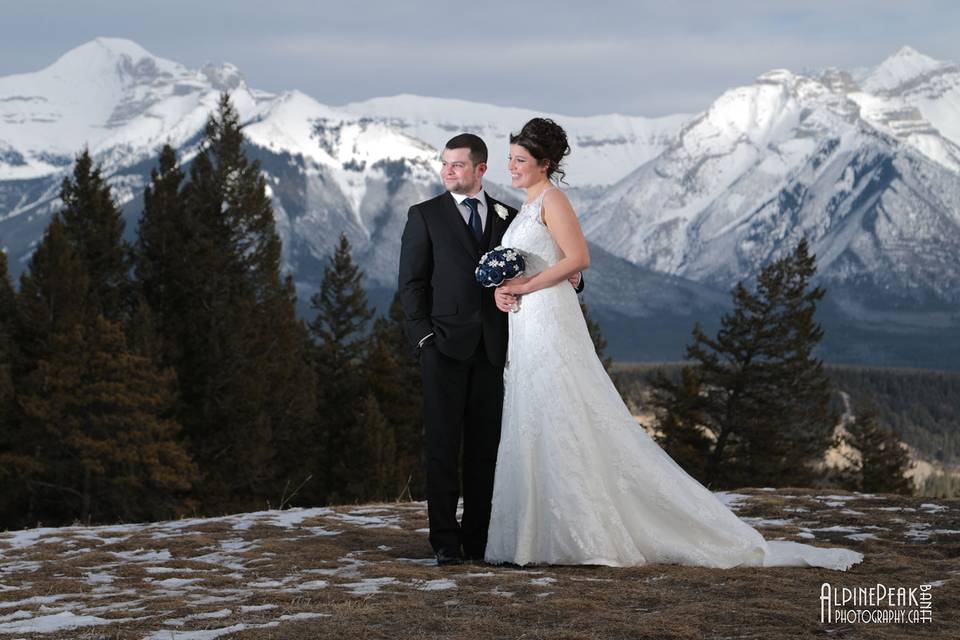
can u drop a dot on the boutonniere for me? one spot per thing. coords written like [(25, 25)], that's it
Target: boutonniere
[(501, 211)]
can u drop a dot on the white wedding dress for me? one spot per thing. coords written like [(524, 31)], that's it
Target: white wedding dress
[(578, 481)]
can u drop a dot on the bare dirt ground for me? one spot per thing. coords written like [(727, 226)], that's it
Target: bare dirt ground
[(359, 572)]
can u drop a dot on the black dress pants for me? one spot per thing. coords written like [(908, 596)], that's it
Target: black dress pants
[(462, 405)]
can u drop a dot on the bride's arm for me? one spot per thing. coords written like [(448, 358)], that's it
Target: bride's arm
[(562, 224)]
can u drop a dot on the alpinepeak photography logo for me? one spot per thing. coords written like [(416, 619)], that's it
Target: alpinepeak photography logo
[(879, 604)]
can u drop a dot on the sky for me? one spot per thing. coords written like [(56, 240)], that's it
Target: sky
[(572, 58)]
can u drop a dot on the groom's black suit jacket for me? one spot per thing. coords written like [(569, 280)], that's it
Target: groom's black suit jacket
[(438, 290)]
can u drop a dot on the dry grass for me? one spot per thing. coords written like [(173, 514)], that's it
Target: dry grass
[(172, 580)]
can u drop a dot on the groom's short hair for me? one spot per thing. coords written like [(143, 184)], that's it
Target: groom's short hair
[(478, 148)]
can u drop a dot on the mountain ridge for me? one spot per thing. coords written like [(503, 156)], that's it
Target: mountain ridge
[(691, 202)]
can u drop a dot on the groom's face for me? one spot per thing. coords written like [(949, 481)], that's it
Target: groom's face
[(459, 173)]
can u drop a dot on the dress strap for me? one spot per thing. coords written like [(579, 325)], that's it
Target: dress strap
[(539, 199), (544, 192), (539, 204)]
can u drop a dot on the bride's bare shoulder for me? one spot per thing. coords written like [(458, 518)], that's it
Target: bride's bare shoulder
[(556, 202), (555, 196)]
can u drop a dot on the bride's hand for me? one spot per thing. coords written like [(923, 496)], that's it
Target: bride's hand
[(505, 301), (516, 287)]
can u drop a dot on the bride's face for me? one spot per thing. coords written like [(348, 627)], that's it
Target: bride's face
[(525, 171)]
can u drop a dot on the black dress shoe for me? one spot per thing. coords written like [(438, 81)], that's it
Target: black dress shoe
[(447, 557), (472, 556)]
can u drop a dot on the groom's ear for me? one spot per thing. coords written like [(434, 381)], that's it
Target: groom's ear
[(481, 169)]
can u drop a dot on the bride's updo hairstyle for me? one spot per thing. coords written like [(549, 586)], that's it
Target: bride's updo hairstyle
[(547, 143)]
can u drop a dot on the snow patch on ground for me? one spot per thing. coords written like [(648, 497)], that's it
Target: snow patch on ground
[(368, 586), (62, 621), (543, 582), (731, 500), (434, 585)]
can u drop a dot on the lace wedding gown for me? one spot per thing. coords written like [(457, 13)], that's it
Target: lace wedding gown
[(577, 480)]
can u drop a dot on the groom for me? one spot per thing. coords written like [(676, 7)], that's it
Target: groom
[(461, 341)]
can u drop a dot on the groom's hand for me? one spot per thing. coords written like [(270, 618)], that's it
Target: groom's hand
[(504, 300), (575, 279)]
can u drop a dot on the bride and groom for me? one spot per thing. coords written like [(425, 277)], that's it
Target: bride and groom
[(554, 468)]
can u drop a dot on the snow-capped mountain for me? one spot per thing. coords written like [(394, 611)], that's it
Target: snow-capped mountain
[(112, 96), (866, 165), (930, 86), (123, 103), (353, 169), (605, 148), (916, 99), (793, 156)]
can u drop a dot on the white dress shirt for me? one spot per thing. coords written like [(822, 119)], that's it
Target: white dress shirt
[(465, 210)]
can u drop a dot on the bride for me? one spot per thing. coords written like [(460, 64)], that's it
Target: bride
[(577, 480)]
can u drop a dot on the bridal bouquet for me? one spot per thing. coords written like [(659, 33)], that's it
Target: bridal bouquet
[(499, 264)]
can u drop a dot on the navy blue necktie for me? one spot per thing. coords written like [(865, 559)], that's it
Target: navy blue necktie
[(475, 223)]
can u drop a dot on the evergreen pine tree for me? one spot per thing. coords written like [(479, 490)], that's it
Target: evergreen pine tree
[(52, 298), (883, 461), (339, 330), (222, 411), (208, 261), (764, 397), (342, 309), (108, 446), (8, 318), (680, 429), (143, 336), (370, 463), (93, 225), (162, 256), (394, 379), (78, 271), (796, 380), (283, 350), (13, 460)]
